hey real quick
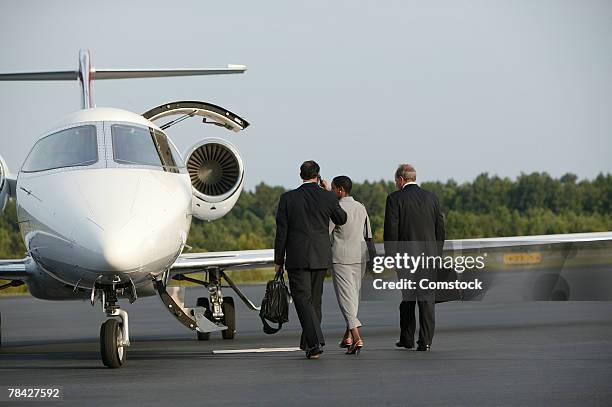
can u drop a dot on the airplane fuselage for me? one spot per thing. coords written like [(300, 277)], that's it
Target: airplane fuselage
[(105, 201), (117, 217)]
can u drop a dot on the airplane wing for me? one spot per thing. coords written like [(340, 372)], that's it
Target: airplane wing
[(15, 269), (493, 242), (242, 259), (249, 259), (197, 262)]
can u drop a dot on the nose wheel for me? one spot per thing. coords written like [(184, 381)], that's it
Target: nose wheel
[(114, 332), (112, 349)]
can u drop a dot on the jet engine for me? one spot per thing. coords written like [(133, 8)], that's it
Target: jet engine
[(217, 174)]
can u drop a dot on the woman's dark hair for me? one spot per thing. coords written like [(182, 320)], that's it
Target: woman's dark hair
[(344, 182), (309, 170)]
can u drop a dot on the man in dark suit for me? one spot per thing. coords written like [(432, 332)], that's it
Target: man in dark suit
[(303, 247), (414, 225)]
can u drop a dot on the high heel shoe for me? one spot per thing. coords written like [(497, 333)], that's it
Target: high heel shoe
[(355, 348), (345, 343)]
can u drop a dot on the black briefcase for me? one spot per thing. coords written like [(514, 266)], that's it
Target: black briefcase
[(275, 304)]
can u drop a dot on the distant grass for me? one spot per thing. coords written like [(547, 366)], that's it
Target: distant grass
[(251, 276), (243, 277), (21, 290)]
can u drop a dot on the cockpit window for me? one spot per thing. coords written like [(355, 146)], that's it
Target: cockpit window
[(142, 146), (73, 147)]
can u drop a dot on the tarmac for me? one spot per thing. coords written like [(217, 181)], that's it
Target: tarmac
[(489, 354)]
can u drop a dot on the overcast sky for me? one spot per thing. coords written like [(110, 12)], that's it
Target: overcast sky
[(456, 88)]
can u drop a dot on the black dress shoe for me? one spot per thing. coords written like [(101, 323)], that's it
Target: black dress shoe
[(425, 348), (314, 353), (402, 344)]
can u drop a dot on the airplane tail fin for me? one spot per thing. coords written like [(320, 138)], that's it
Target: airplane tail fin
[(86, 73)]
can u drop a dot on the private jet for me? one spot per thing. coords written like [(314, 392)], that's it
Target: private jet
[(105, 202)]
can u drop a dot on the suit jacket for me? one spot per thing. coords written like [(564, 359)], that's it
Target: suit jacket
[(348, 240), (302, 227), (414, 224)]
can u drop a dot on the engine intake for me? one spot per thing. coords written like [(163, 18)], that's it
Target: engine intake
[(216, 171)]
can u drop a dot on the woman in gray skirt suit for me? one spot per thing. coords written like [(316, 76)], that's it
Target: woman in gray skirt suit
[(350, 256)]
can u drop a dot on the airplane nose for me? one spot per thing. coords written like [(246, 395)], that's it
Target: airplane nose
[(119, 244), (118, 249), (112, 222), (136, 225)]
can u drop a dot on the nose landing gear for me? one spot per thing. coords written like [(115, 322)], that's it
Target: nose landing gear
[(114, 334), (112, 348)]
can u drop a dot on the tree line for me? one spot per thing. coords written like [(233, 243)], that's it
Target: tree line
[(531, 204), (489, 206)]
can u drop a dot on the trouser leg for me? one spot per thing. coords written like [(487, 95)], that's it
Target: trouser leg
[(427, 322), (407, 322), (301, 285), (317, 278), (411, 321)]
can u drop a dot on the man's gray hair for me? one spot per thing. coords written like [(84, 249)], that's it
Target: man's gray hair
[(407, 172)]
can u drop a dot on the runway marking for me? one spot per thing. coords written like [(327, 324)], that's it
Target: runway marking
[(254, 350)]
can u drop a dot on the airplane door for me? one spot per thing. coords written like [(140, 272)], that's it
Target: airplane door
[(211, 113)]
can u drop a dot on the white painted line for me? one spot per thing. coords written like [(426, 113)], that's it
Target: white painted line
[(255, 350)]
